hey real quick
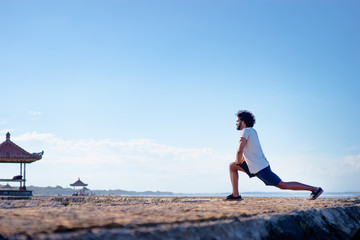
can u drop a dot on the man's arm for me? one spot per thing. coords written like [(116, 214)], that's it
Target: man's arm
[(239, 155)]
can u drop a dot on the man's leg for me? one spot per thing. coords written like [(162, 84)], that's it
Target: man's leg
[(296, 186), (234, 177)]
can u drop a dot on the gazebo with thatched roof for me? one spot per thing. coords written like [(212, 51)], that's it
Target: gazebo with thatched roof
[(79, 183), (12, 153)]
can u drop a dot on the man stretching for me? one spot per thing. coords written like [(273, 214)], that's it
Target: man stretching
[(251, 160)]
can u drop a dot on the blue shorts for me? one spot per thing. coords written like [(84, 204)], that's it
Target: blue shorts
[(265, 175)]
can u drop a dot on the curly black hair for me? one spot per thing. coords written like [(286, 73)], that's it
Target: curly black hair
[(247, 117)]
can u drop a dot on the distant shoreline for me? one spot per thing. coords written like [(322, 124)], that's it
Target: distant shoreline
[(58, 190)]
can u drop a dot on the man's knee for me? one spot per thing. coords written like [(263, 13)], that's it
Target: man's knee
[(281, 185), (232, 166)]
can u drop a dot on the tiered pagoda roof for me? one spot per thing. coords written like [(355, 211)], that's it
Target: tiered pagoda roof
[(78, 183), (12, 153)]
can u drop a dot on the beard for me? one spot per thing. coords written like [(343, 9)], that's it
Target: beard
[(238, 127)]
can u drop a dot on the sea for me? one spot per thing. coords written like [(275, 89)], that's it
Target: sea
[(299, 194)]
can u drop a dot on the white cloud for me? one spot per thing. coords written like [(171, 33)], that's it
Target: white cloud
[(34, 113), (29, 136), (341, 167), (144, 164), (108, 150), (139, 164), (353, 162)]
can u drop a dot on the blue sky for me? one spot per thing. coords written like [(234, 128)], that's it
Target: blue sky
[(142, 95)]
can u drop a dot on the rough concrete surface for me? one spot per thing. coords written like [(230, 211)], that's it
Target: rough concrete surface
[(179, 218)]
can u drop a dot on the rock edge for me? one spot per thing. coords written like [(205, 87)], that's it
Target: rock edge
[(330, 223)]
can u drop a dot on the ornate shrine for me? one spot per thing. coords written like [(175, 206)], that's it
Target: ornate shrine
[(12, 153)]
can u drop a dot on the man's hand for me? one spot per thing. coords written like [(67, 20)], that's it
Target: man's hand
[(239, 158)]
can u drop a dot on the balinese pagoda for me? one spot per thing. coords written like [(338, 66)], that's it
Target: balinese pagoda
[(12, 153), (82, 191)]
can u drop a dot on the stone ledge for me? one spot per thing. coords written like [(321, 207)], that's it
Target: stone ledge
[(182, 218)]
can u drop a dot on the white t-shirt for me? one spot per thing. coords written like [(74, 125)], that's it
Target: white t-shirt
[(253, 154)]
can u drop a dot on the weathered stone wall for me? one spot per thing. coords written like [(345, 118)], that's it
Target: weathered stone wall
[(182, 218), (335, 223)]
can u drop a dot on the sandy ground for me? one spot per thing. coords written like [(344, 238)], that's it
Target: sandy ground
[(57, 214)]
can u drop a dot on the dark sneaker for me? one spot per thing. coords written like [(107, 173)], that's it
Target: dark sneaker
[(316, 194), (232, 198)]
